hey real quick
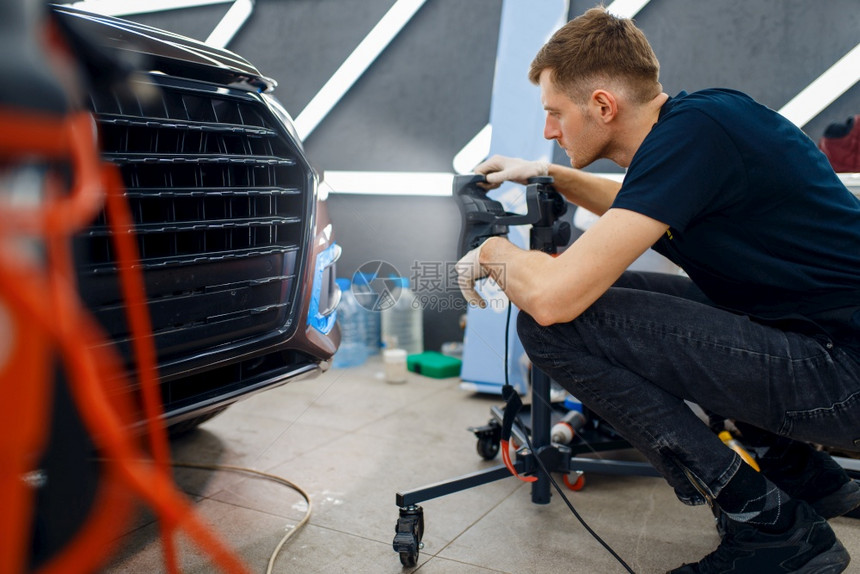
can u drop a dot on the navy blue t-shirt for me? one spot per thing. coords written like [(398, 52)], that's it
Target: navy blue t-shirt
[(757, 217)]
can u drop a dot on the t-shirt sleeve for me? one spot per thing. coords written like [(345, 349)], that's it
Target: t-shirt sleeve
[(683, 167)]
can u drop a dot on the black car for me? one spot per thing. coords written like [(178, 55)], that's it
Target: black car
[(236, 246), (237, 252)]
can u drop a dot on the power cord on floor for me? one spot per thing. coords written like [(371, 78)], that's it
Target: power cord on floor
[(267, 476), (546, 471), (573, 510)]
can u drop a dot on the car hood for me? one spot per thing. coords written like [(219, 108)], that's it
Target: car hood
[(165, 51)]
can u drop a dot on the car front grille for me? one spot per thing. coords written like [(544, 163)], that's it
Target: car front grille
[(219, 197)]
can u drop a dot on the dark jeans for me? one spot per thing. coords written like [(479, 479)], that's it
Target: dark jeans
[(653, 341)]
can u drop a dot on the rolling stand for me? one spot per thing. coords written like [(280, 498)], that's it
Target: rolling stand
[(484, 218)]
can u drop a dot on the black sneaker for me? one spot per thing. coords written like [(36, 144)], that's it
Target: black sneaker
[(803, 472), (844, 502), (808, 547), (820, 481), (838, 503)]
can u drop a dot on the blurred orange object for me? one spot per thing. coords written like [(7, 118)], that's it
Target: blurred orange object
[(52, 184)]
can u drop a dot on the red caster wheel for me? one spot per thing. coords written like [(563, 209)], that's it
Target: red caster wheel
[(577, 484)]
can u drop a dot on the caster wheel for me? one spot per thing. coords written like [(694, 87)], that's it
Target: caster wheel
[(488, 447), (489, 439), (409, 531), (408, 559), (577, 484)]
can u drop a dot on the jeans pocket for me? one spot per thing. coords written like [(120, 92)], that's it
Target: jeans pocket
[(837, 425)]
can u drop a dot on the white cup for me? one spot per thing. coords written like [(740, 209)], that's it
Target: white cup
[(394, 361)]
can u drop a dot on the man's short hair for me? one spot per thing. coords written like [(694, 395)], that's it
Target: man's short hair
[(599, 46)]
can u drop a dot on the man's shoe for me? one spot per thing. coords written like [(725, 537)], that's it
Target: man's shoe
[(838, 503), (802, 471), (808, 547), (820, 481)]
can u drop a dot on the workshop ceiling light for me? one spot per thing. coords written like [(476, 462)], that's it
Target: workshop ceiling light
[(231, 23), (399, 182), (475, 151), (824, 90), (389, 182), (119, 8), (626, 8), (356, 64)]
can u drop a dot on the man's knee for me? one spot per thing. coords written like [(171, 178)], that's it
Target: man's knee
[(527, 329)]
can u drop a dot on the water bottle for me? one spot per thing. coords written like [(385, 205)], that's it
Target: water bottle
[(367, 298), (352, 351), (403, 322), (564, 430)]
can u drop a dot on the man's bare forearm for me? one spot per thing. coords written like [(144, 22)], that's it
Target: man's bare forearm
[(584, 189), (557, 289)]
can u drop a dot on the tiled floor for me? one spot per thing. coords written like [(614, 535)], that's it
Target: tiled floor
[(352, 441)]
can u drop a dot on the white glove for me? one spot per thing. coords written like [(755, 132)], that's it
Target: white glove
[(499, 169), (469, 272)]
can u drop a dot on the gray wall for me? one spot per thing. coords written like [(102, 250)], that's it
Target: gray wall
[(429, 92)]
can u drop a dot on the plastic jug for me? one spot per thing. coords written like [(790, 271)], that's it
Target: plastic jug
[(403, 322), (350, 316)]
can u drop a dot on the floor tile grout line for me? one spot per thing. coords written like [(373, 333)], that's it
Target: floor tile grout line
[(469, 527), (437, 557), (301, 414), (393, 412)]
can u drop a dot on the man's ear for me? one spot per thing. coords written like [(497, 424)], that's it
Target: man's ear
[(604, 104)]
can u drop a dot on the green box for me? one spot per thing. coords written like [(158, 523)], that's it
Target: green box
[(433, 364)]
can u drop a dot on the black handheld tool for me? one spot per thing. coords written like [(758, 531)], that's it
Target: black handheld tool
[(484, 217)]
